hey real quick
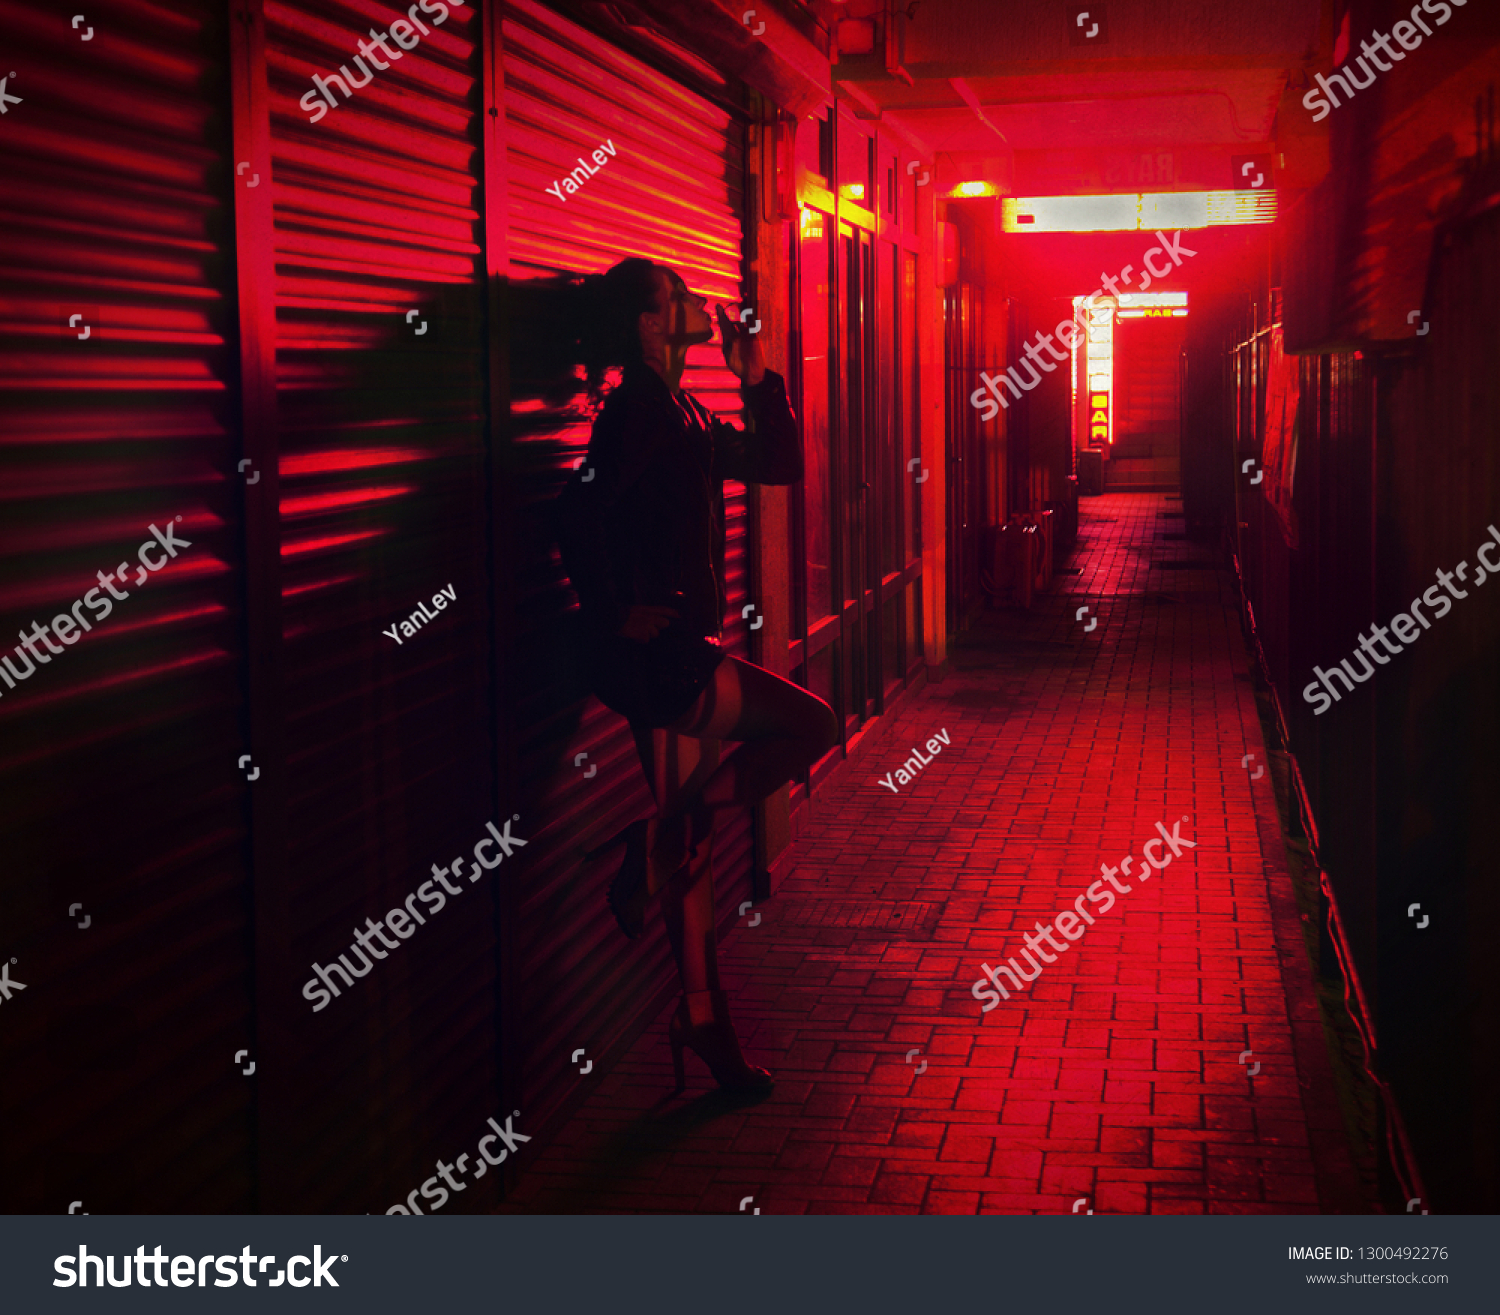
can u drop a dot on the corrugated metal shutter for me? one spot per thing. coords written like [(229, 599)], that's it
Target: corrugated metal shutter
[(1146, 450), (380, 432), (1147, 354), (671, 193), (122, 822)]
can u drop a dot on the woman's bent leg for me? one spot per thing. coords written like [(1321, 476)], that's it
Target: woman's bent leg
[(783, 729), (677, 766), (687, 905)]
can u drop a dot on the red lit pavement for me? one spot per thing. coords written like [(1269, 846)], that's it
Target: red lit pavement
[(1114, 1082)]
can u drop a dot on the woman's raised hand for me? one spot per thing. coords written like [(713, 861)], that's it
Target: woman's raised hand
[(742, 352), (644, 622)]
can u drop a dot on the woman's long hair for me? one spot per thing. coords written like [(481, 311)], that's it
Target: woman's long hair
[(610, 306), (591, 320)]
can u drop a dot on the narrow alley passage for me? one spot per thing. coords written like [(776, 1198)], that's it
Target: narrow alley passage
[(1114, 1083)]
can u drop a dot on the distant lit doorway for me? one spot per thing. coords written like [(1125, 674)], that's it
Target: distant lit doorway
[(1127, 392)]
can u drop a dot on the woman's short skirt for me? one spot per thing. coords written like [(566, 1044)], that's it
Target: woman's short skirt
[(654, 683)]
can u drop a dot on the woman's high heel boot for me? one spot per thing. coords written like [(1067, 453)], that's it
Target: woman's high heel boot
[(713, 1039)]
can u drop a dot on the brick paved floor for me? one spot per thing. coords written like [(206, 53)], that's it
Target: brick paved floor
[(1115, 1077)]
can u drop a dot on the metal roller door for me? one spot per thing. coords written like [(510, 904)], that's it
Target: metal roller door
[(387, 755), (671, 192), (124, 927), (1147, 424)]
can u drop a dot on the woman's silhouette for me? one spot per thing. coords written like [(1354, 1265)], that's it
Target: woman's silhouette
[(643, 540)]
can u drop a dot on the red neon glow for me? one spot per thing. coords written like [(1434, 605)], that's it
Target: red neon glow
[(317, 584), (317, 463), (300, 547), (316, 502)]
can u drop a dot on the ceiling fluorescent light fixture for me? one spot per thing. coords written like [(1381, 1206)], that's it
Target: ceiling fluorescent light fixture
[(1070, 214), (978, 188), (1146, 211)]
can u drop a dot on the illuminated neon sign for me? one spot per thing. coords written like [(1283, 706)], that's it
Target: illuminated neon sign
[(1098, 368)]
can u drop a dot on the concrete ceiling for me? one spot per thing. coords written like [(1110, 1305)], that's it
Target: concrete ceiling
[(1191, 83)]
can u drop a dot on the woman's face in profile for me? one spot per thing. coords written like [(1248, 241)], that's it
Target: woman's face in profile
[(686, 314)]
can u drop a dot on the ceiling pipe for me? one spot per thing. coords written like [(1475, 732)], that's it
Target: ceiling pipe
[(972, 101)]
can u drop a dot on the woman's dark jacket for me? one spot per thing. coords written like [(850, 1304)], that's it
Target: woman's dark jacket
[(647, 526)]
